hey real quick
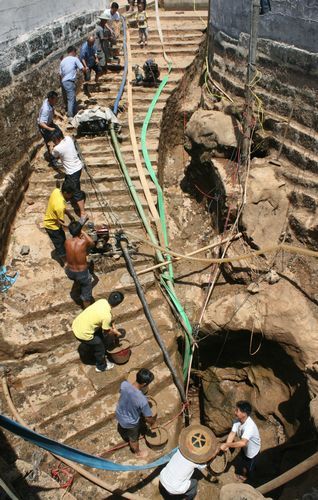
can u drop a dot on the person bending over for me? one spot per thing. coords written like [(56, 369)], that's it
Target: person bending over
[(95, 322), (54, 223), (133, 405), (248, 440), (65, 150), (46, 122), (89, 59), (76, 249)]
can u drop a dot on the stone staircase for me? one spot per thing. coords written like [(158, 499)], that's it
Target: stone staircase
[(54, 391)]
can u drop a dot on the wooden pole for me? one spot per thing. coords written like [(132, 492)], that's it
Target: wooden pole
[(251, 73)]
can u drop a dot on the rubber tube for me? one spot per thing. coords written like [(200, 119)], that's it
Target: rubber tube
[(123, 81), (141, 295)]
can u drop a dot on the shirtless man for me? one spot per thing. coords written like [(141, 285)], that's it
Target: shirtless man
[(77, 268)]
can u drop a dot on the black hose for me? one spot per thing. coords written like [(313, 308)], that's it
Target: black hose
[(141, 295)]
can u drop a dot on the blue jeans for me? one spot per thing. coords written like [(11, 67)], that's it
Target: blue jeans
[(70, 90)]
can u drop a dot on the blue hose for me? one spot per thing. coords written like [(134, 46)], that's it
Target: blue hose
[(72, 453), (123, 81)]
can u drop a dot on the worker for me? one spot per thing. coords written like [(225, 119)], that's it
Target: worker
[(89, 59), (132, 405), (141, 18), (249, 440), (92, 326), (76, 249), (104, 36), (46, 122), (112, 13), (68, 71), (65, 150), (54, 222), (197, 447)]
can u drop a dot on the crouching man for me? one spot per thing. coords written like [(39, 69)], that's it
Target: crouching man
[(90, 326), (76, 249), (197, 447), (133, 405)]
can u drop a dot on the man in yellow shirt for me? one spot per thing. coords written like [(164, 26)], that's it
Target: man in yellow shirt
[(91, 324), (54, 216)]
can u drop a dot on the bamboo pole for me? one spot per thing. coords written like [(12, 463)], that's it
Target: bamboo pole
[(203, 249)]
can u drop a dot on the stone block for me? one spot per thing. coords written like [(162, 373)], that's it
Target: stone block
[(47, 39), (35, 44), (21, 51), (36, 57), (57, 32), (66, 30), (19, 67), (5, 78)]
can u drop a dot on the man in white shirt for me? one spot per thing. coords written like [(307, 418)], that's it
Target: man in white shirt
[(248, 439), (68, 70), (112, 13), (46, 121), (197, 447), (65, 150)]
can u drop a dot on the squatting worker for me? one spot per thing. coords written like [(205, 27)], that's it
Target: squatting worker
[(197, 447), (46, 122), (90, 326), (54, 217), (65, 150), (76, 249), (89, 59), (249, 439), (68, 70), (132, 405)]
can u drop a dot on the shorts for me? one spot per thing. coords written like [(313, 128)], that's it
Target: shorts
[(84, 279), (47, 134), (101, 58), (143, 32), (131, 434), (78, 195)]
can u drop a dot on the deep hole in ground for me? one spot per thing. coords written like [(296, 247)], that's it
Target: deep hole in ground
[(270, 380)]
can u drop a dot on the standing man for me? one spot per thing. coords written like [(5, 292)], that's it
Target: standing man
[(131, 406), (89, 59), (249, 439), (102, 42), (54, 217), (65, 150), (76, 249), (90, 326), (46, 122), (68, 70), (197, 447)]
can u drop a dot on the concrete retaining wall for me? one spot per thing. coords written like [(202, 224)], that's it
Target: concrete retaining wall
[(294, 22)]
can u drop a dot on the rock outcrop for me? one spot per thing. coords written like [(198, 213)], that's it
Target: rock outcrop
[(239, 492)]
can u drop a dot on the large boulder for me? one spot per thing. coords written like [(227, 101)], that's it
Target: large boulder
[(264, 215), (235, 491), (281, 313), (212, 131)]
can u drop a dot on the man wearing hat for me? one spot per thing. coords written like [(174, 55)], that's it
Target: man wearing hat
[(197, 447), (90, 326), (104, 34)]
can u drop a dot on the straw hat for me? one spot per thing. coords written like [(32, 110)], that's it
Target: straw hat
[(198, 443)]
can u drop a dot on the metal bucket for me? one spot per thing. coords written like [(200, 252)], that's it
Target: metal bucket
[(121, 353), (157, 438)]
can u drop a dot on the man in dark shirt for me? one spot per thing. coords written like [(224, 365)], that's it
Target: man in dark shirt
[(132, 405)]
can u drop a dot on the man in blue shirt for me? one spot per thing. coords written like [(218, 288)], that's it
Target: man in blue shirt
[(132, 405), (46, 122), (68, 70), (89, 58)]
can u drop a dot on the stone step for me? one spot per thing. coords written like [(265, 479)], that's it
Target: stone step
[(298, 176), (296, 133), (305, 227), (302, 198), (297, 154)]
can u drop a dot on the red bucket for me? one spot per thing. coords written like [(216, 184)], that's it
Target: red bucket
[(121, 354)]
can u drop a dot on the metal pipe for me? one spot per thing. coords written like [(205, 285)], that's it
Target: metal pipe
[(141, 295)]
